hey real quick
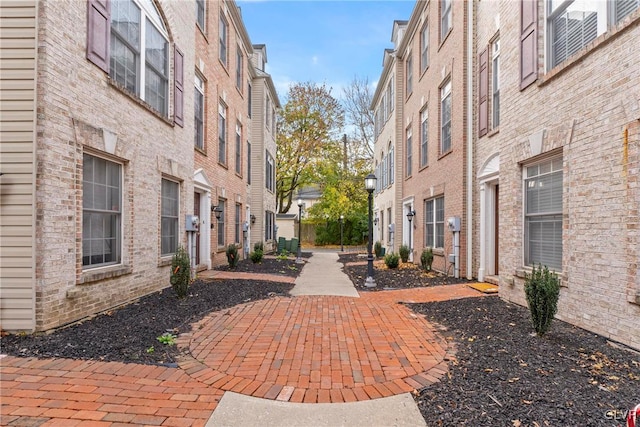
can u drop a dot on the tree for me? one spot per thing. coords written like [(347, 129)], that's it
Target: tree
[(357, 102), (308, 128)]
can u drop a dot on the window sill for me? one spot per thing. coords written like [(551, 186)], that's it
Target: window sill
[(493, 132), (635, 299), (140, 102), (223, 165), (204, 34), (443, 155), (103, 273), (200, 150), (521, 273), (164, 261), (421, 168), (438, 251), (446, 36)]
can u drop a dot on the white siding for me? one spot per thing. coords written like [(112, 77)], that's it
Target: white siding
[(17, 105)]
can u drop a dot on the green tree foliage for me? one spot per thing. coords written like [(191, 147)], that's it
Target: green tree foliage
[(308, 130), (180, 272)]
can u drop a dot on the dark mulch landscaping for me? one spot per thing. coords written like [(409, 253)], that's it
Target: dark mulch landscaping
[(127, 334), (504, 376), (407, 275), (270, 264)]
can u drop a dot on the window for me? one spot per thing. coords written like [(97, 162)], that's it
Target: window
[(409, 72), (267, 113), (270, 173), (624, 8), (224, 28), (199, 113), (543, 214), (495, 84), (249, 102), (248, 163), (572, 25), (390, 96), (238, 223), (434, 222), (222, 134), (424, 137), (382, 224), (445, 18), (170, 206), (269, 226), (445, 115), (101, 212), (239, 65), (409, 150), (221, 221), (238, 148), (200, 13), (383, 166), (138, 62), (390, 164), (424, 48), (389, 228)]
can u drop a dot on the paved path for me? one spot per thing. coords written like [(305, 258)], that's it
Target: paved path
[(288, 351)]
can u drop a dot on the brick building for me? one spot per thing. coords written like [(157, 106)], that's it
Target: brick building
[(557, 155), (99, 177)]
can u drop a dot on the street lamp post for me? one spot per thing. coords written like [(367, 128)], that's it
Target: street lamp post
[(370, 185), (299, 257), (410, 216), (341, 229)]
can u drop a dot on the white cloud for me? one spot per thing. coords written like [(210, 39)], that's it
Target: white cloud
[(314, 60)]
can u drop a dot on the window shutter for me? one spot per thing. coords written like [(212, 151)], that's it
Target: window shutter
[(178, 108), (528, 42), (483, 91), (99, 32)]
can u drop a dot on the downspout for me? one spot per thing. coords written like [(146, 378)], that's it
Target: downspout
[(469, 138)]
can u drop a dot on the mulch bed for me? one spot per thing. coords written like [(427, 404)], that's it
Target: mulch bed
[(505, 376), (270, 264), (127, 334), (407, 275)]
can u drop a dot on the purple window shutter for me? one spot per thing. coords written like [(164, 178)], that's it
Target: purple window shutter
[(483, 91), (99, 32), (178, 69), (528, 42)]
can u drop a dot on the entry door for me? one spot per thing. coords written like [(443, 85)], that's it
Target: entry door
[(496, 244), (196, 211)]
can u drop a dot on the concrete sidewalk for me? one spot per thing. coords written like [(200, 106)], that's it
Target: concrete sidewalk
[(323, 275)]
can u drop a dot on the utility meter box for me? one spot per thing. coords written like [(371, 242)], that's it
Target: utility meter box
[(191, 223), (454, 223)]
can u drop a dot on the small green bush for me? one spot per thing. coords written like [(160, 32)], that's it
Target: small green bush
[(404, 253), (377, 248), (392, 260), (542, 289), (180, 272), (256, 256), (232, 255), (426, 259), (283, 255), (258, 246)]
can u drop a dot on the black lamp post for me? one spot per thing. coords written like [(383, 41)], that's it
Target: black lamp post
[(410, 216), (370, 185), (299, 257), (341, 230)]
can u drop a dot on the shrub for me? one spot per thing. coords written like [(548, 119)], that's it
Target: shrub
[(542, 289), (404, 253), (283, 255), (377, 248), (426, 259), (180, 272), (232, 255), (258, 246), (392, 260), (256, 256)]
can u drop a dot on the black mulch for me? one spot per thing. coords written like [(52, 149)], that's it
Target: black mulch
[(407, 275), (129, 334), (504, 376), (269, 265)]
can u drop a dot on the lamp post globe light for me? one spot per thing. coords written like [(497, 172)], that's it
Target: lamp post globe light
[(299, 257), (370, 185), (341, 229)]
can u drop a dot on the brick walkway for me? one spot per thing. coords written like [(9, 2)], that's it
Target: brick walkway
[(302, 349)]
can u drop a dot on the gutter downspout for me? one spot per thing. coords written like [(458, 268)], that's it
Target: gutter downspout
[(469, 138)]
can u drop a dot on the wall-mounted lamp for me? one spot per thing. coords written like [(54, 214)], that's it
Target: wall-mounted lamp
[(253, 219), (375, 220), (217, 210)]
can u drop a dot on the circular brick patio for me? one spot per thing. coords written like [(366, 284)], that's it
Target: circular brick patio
[(315, 349)]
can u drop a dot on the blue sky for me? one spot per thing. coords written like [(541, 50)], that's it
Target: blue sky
[(323, 41)]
